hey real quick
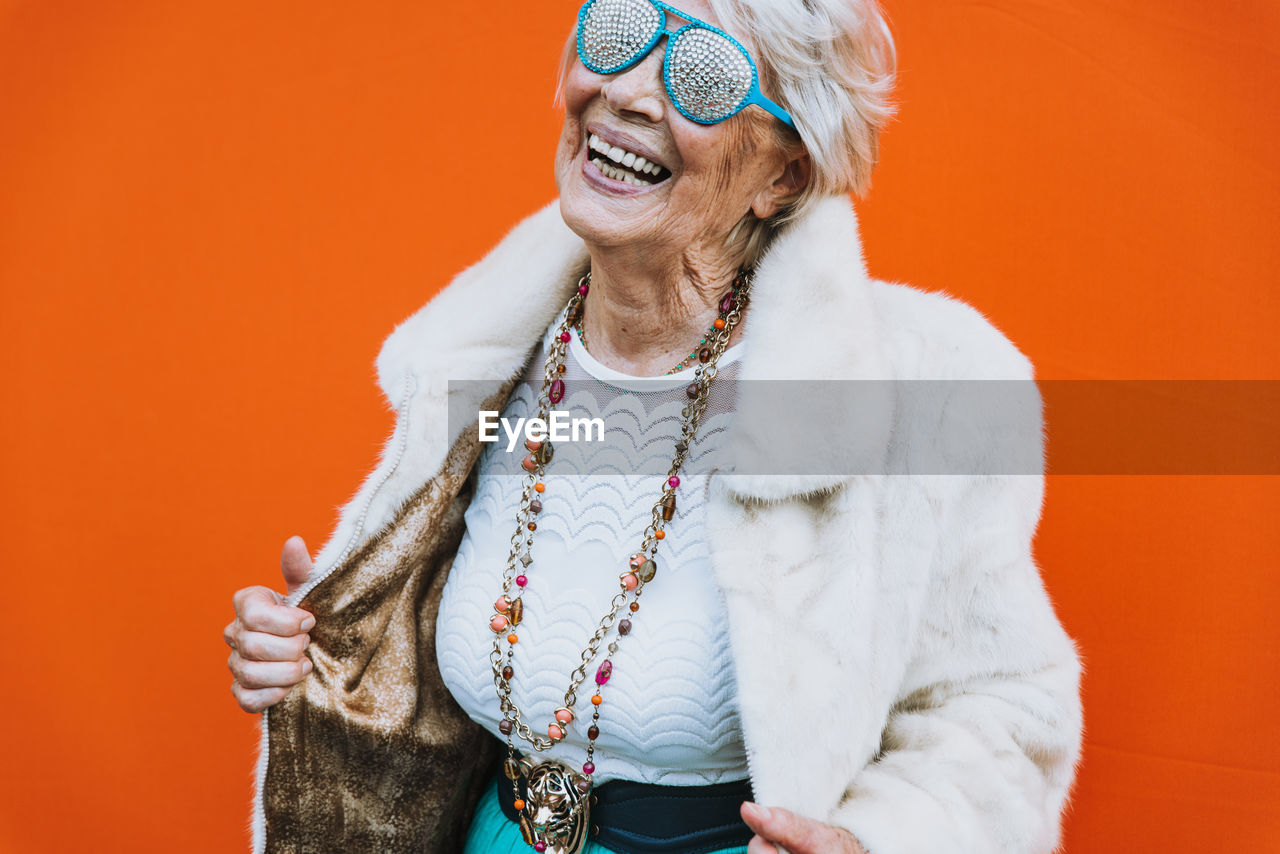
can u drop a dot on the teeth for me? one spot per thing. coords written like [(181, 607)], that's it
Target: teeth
[(617, 174), (620, 155)]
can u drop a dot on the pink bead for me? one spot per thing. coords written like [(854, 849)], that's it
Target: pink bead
[(589, 768), (498, 623), (630, 582), (502, 604), (604, 672), (556, 393), (673, 481), (564, 336), (726, 304), (539, 846), (555, 732), (529, 463), (564, 716), (582, 290), (521, 581)]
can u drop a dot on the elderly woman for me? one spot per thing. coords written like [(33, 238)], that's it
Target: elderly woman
[(825, 661)]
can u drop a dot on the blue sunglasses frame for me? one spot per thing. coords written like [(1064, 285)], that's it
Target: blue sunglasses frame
[(753, 96)]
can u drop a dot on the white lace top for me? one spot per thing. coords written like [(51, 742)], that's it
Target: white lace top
[(670, 709)]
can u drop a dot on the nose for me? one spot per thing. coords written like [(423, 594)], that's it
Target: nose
[(639, 89)]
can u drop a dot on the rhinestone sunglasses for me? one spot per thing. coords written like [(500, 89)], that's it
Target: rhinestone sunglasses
[(708, 74)]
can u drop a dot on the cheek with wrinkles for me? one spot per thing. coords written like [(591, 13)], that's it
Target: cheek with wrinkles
[(731, 172)]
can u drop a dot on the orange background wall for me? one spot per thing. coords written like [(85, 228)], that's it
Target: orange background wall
[(212, 212)]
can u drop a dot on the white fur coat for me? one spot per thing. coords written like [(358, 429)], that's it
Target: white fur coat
[(901, 670)]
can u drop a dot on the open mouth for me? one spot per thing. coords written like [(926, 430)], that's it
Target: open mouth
[(626, 166)]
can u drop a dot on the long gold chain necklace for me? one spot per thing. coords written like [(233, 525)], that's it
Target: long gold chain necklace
[(555, 811)]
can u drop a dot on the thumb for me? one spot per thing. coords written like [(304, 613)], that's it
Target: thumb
[(295, 563), (797, 834)]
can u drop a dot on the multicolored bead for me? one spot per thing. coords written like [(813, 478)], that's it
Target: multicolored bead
[(556, 393), (603, 672)]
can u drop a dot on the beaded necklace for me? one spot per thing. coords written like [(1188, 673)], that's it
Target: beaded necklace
[(555, 808), (701, 352)]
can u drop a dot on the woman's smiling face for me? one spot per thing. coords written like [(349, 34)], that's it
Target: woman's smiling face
[(707, 176)]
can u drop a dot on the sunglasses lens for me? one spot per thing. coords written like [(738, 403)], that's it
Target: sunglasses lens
[(612, 33), (709, 75)]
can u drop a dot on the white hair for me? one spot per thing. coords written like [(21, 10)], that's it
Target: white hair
[(832, 65)]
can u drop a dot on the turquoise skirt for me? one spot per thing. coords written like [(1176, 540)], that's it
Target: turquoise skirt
[(493, 833)]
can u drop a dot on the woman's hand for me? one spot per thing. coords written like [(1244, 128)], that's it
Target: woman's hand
[(799, 835), (268, 638)]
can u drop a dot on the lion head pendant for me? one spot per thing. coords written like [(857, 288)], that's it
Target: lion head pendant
[(556, 809)]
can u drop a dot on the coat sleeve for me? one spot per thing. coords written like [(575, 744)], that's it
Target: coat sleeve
[(979, 750)]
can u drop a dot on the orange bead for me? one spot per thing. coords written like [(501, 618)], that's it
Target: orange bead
[(597, 700), (719, 324), (519, 804), (540, 487), (661, 535), (512, 638)]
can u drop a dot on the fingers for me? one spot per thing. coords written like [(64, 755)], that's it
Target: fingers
[(267, 674), (295, 563), (797, 834), (758, 845), (254, 701), (259, 609), (260, 646)]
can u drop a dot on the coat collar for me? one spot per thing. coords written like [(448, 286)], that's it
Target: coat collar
[(812, 318)]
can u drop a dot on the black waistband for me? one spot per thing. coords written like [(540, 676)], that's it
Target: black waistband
[(646, 818)]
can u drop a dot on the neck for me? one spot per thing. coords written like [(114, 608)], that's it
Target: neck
[(642, 318)]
